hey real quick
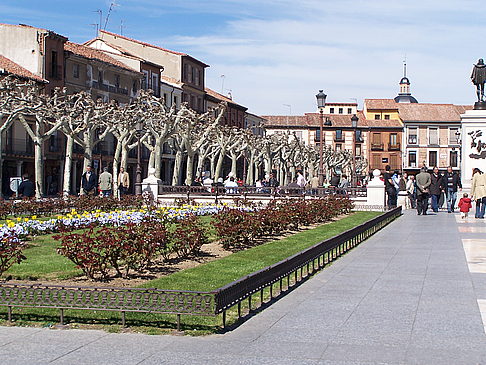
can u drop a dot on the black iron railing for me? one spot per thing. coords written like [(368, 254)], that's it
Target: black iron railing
[(312, 259), (249, 191), (179, 302)]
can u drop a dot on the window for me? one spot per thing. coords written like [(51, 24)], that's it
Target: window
[(377, 117), (166, 99), (412, 136), (339, 147), (433, 137), (359, 135), (100, 77), (189, 74), (357, 150), (76, 71), (196, 76), (135, 87), (200, 77), (453, 160), (331, 110), (387, 116), (155, 84), (412, 158), (117, 80), (175, 101), (339, 135), (393, 139), (350, 111), (340, 110), (432, 158), (317, 137), (54, 72), (394, 162), (453, 136), (298, 135), (376, 138)]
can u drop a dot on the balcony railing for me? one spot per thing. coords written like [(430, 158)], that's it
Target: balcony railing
[(109, 88), (393, 146), (19, 146), (377, 146)]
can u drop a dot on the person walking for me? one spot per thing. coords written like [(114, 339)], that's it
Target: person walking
[(451, 183), (390, 189), (402, 191), (26, 187), (105, 182), (465, 205), (89, 182), (123, 181), (435, 188), (301, 180), (423, 184), (412, 192), (478, 192)]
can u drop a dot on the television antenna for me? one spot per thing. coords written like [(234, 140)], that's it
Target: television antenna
[(112, 8)]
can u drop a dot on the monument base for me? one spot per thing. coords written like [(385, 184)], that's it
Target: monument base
[(473, 149), (480, 105)]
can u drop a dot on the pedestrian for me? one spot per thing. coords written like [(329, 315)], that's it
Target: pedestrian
[(335, 179), (231, 186), (272, 181), (89, 182), (344, 184), (423, 183), (26, 188), (478, 192), (451, 183), (465, 205), (402, 191), (390, 189), (123, 181), (314, 183), (301, 180), (105, 182), (436, 187), (411, 192)]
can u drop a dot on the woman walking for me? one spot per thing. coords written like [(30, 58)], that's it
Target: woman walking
[(478, 192)]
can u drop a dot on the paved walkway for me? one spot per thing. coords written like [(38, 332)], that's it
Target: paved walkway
[(408, 295)]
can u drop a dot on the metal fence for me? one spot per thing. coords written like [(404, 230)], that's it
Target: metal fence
[(178, 302), (251, 191)]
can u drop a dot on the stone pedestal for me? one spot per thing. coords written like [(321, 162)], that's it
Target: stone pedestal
[(473, 149), (151, 183), (375, 191)]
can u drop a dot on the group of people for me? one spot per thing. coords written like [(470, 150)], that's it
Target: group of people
[(93, 185), (416, 191)]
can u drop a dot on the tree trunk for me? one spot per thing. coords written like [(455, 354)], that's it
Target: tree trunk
[(177, 168), (189, 168), (219, 165), (234, 161), (39, 168), (66, 189), (158, 158)]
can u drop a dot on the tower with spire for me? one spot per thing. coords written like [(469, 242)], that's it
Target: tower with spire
[(404, 96)]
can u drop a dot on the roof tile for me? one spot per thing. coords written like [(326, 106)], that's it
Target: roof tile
[(15, 69)]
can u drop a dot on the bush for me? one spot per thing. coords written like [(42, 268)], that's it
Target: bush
[(235, 227), (188, 236), (10, 252)]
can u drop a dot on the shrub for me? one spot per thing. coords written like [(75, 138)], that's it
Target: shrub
[(235, 226), (10, 252), (188, 236)]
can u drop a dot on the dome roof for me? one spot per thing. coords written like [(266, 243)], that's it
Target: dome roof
[(405, 80), (405, 98)]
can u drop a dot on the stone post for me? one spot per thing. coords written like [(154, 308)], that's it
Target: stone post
[(375, 191)]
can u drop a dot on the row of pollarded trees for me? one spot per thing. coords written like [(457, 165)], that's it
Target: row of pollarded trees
[(199, 141)]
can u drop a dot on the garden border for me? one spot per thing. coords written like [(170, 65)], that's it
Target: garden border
[(179, 302)]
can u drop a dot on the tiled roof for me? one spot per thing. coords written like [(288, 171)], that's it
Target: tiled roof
[(383, 104), (221, 97), (171, 80), (338, 121), (432, 112), (17, 70), (95, 54), (151, 45)]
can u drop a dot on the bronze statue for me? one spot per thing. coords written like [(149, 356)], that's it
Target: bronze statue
[(478, 78)]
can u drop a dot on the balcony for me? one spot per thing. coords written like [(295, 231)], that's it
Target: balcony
[(377, 146), (393, 146), (19, 147), (109, 88)]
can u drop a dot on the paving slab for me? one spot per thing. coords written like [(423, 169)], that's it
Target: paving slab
[(414, 293)]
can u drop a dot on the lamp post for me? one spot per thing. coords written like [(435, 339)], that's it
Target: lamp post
[(321, 103), (138, 177), (354, 124)]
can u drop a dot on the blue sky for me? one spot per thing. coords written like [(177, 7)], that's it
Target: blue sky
[(278, 52)]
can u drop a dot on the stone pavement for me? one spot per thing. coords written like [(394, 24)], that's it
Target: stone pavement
[(411, 294)]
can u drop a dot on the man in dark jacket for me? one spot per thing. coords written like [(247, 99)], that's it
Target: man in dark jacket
[(422, 182), (26, 187), (451, 183), (390, 189), (89, 182), (435, 188)]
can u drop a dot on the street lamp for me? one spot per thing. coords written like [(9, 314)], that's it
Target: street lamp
[(138, 177), (354, 125), (321, 103)]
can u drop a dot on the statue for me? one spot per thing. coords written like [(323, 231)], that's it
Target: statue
[(478, 78)]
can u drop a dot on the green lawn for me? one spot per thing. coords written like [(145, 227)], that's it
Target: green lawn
[(205, 277)]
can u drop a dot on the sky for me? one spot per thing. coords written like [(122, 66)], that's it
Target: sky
[(276, 55)]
